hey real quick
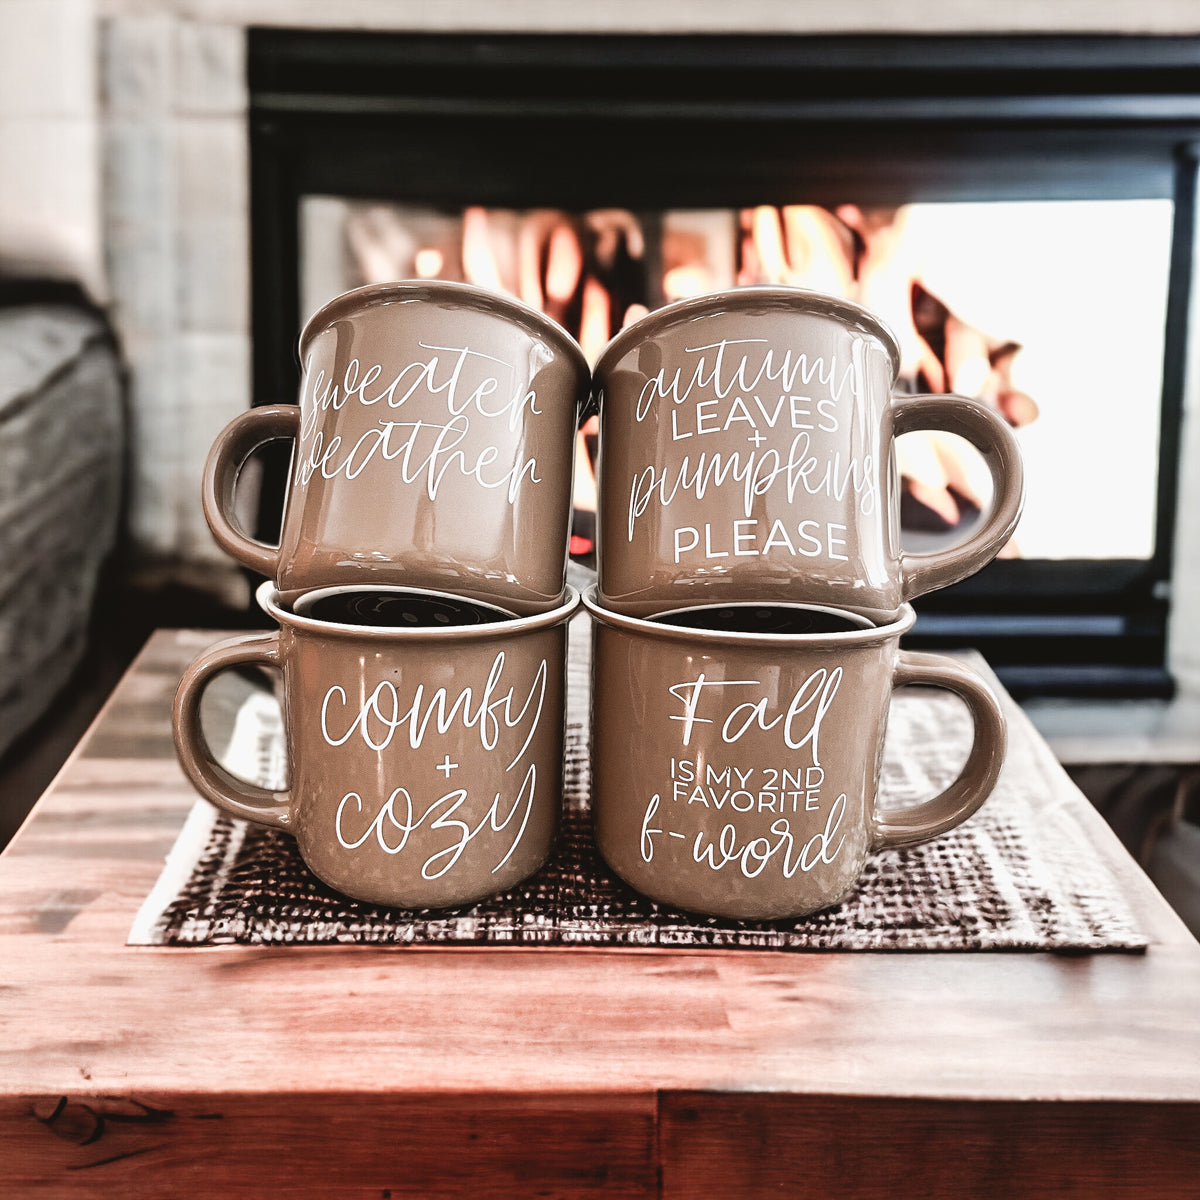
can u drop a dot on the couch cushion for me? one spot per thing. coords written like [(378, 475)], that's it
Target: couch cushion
[(62, 439)]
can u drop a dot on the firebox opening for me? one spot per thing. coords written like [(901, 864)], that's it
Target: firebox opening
[(1008, 302), (1019, 210)]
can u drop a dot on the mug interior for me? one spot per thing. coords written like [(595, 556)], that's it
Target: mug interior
[(445, 615), (747, 617), (396, 608), (753, 623)]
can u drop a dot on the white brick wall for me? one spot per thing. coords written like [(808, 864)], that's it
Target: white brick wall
[(49, 142), (176, 224)]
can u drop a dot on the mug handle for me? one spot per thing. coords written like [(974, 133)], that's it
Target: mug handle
[(990, 434), (236, 796), (235, 443), (932, 818)]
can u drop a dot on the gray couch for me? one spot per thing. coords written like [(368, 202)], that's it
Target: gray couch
[(62, 453)]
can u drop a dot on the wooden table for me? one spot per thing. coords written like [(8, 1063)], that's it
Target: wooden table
[(357, 1072)]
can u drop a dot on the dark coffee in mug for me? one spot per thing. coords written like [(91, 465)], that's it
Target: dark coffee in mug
[(765, 618), (396, 608)]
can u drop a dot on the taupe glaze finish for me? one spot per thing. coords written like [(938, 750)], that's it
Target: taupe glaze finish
[(433, 449), (425, 764), (746, 454), (735, 774)]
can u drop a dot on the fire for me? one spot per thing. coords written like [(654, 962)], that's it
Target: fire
[(478, 256), (564, 264), (579, 268), (584, 498), (529, 273), (595, 323), (635, 312), (681, 282), (428, 263)]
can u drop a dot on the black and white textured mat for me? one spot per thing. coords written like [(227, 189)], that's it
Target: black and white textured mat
[(1020, 875)]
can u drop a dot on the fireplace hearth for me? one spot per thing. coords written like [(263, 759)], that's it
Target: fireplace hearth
[(600, 176)]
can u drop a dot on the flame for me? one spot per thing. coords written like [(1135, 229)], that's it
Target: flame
[(800, 245), (564, 263), (529, 273), (576, 268), (818, 252), (594, 321), (428, 262), (968, 366), (681, 282), (635, 312), (584, 496), (925, 473), (479, 262), (886, 269), (611, 227), (766, 234)]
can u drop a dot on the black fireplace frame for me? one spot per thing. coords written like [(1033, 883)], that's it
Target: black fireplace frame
[(647, 122)]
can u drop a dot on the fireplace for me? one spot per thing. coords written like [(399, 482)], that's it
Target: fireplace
[(1021, 210)]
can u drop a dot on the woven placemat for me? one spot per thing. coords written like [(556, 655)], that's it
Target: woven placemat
[(1019, 875)]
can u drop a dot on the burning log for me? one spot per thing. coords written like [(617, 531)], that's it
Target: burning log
[(596, 272)]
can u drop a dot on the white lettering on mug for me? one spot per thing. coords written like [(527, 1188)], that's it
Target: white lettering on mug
[(751, 857), (756, 473), (427, 449), (730, 389), (801, 721), (749, 414), (721, 374), (435, 376), (649, 832), (808, 539), (485, 710), (786, 789), (397, 820), (423, 450)]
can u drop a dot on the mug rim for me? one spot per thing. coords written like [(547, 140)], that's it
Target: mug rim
[(776, 296), (312, 596), (270, 602), (869, 635), (372, 295)]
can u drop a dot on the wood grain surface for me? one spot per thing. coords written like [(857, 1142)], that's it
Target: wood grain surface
[(354, 1071)]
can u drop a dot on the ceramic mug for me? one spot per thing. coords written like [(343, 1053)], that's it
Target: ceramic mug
[(736, 753), (746, 454), (434, 448), (424, 740)]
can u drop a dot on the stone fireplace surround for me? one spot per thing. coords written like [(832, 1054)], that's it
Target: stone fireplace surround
[(175, 226)]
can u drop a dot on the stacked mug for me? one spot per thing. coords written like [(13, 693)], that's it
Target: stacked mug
[(751, 594), (750, 598), (418, 588)]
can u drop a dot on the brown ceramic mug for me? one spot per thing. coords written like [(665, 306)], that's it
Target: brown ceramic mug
[(736, 753), (424, 740), (434, 447), (746, 454)]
